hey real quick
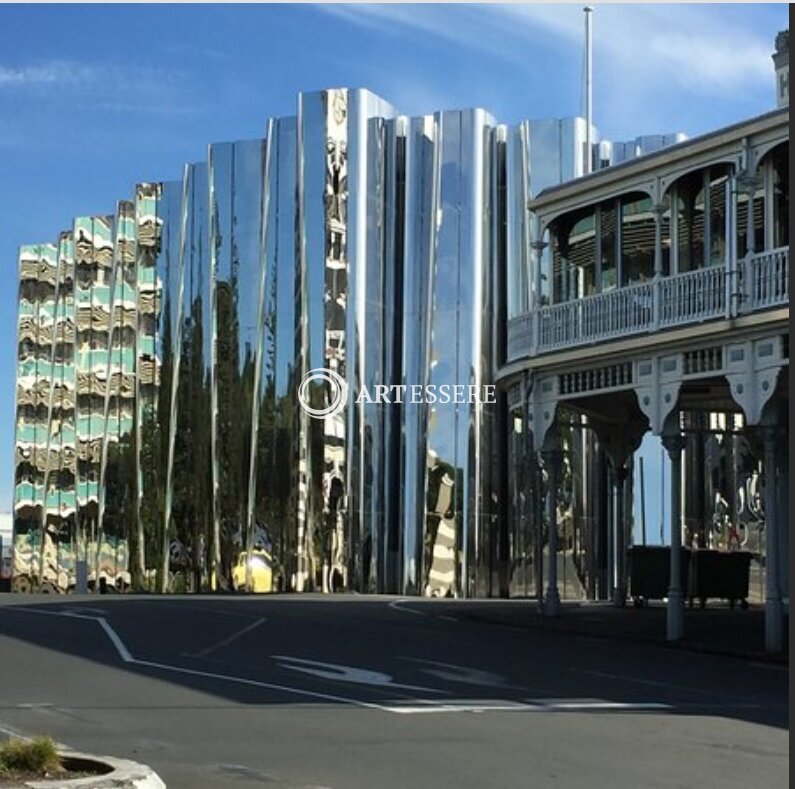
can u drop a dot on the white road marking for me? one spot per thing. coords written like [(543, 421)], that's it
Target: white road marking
[(34, 705), (259, 684), (229, 639), (127, 657), (396, 605), (465, 674), (465, 706), (352, 674), (124, 653), (539, 706), (27, 610), (585, 705), (416, 706), (85, 610)]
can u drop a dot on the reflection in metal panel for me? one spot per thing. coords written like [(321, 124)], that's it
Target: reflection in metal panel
[(384, 248)]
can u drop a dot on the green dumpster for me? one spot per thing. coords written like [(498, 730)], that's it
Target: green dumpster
[(720, 575), (650, 571)]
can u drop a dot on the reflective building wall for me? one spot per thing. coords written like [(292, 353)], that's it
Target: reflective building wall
[(160, 442)]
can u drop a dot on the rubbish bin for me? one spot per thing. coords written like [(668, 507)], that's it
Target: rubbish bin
[(721, 575), (650, 572)]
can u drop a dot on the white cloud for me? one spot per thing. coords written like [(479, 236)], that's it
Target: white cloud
[(128, 88), (698, 49), (45, 73)]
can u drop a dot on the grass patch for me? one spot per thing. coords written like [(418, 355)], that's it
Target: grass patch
[(38, 756)]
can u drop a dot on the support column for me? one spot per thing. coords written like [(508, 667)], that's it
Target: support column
[(538, 247), (553, 459), (538, 516), (774, 612), (749, 182), (658, 209), (674, 443), (620, 589), (698, 484)]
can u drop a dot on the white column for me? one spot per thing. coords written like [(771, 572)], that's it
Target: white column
[(674, 443), (620, 588), (552, 462), (535, 293), (749, 183), (538, 247), (774, 614), (658, 209), (732, 277)]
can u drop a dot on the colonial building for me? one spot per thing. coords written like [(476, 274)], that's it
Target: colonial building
[(659, 301)]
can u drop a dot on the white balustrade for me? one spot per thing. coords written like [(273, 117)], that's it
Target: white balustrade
[(693, 296), (682, 299), (767, 280)]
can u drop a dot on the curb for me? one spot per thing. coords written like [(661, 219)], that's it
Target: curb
[(773, 659), (123, 774)]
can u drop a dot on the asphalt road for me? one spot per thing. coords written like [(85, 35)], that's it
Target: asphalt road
[(352, 692)]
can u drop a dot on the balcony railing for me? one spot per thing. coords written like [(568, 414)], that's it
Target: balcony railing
[(692, 297), (768, 281)]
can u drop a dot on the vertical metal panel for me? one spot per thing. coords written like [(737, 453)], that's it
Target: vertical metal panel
[(48, 293), (274, 494), (391, 243), (26, 412), (62, 415), (365, 237), (94, 258), (517, 185), (313, 546), (445, 517), (170, 221), (117, 476), (35, 509), (239, 193), (191, 513), (157, 207), (421, 215)]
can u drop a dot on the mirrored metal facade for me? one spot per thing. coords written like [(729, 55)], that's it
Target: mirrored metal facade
[(160, 443)]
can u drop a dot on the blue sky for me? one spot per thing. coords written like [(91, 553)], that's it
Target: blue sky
[(94, 98)]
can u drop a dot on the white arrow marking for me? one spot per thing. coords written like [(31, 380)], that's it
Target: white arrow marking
[(464, 674), (338, 673)]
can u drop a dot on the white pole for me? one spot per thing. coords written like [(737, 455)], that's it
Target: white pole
[(642, 502), (588, 88), (662, 494)]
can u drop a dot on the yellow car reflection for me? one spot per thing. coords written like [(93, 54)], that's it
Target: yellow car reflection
[(261, 569)]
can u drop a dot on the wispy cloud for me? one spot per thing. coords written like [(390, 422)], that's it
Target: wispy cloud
[(698, 49), (47, 73), (110, 87)]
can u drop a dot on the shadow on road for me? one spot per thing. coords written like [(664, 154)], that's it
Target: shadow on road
[(403, 657)]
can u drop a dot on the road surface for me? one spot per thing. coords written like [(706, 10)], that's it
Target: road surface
[(356, 693)]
